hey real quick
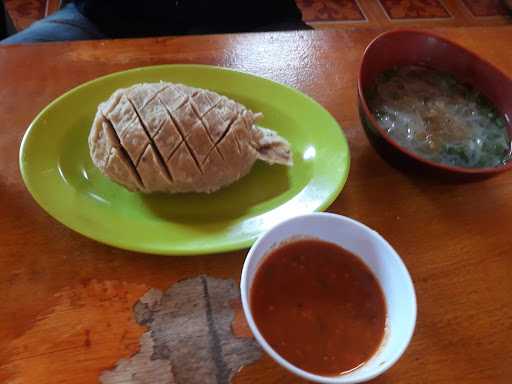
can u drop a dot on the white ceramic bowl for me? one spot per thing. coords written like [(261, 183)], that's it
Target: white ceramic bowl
[(377, 254)]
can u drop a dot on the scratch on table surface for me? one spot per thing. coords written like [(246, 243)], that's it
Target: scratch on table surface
[(189, 338)]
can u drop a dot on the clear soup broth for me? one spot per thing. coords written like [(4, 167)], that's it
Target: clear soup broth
[(439, 118)]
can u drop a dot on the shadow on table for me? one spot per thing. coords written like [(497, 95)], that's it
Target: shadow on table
[(263, 184), (397, 190)]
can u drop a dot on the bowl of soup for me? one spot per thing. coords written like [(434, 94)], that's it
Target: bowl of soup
[(328, 299), (426, 101)]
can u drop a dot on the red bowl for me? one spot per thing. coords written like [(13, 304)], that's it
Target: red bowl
[(409, 47)]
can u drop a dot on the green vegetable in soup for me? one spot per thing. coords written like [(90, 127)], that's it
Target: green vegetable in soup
[(440, 118)]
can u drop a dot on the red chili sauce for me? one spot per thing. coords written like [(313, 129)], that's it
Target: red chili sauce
[(318, 306)]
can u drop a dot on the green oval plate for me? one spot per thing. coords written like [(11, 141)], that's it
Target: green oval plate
[(58, 172)]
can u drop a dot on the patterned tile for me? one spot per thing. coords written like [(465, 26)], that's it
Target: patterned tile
[(330, 10), (25, 12), (485, 8), (414, 9)]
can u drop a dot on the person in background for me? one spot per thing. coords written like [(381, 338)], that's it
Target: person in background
[(6, 25), (97, 19)]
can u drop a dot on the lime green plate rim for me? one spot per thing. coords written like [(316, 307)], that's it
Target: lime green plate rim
[(235, 245)]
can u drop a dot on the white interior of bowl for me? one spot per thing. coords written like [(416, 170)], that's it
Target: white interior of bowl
[(380, 257)]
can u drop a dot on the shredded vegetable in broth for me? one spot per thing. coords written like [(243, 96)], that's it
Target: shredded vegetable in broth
[(439, 118)]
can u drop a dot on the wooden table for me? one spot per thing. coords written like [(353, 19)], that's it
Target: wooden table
[(66, 312)]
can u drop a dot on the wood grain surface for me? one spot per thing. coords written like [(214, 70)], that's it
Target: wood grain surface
[(66, 310)]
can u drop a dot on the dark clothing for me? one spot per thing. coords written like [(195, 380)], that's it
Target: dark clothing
[(6, 25), (136, 18), (99, 19), (508, 5)]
